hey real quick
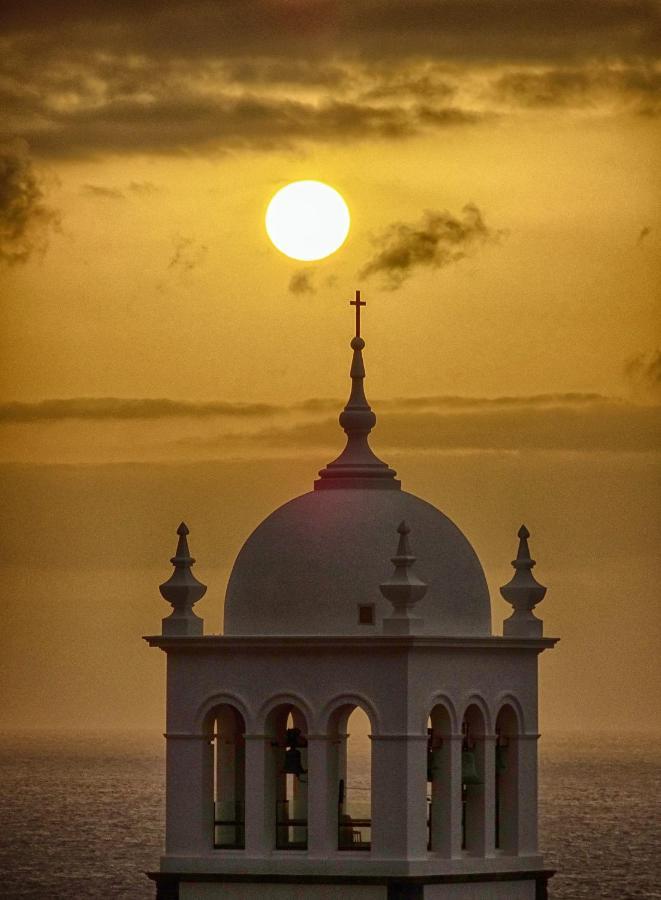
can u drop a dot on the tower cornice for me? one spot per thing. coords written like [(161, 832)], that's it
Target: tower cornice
[(358, 643)]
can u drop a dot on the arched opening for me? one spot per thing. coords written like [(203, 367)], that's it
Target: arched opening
[(229, 783), (351, 772), (287, 777), (439, 780), (507, 781), (472, 780)]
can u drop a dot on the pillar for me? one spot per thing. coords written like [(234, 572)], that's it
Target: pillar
[(322, 794), (446, 798), (188, 794), (489, 806), (399, 795), (527, 794), (260, 796), (480, 805)]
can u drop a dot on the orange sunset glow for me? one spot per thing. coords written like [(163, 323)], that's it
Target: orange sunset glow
[(505, 210), (168, 354)]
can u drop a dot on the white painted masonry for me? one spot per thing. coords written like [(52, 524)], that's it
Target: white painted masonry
[(257, 718)]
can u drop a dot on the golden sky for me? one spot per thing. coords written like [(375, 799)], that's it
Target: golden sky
[(161, 360)]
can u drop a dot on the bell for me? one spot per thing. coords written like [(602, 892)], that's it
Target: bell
[(468, 768), (293, 764), (501, 759), (293, 738)]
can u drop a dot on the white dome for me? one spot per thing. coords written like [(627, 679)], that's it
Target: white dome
[(309, 566), (312, 562)]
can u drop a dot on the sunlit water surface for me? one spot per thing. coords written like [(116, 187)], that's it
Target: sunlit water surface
[(82, 815)]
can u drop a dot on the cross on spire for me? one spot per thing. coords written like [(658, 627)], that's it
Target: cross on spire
[(357, 303)]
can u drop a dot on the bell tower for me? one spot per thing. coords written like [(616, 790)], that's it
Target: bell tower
[(355, 595)]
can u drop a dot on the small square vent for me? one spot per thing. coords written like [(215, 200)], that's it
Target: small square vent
[(366, 614)]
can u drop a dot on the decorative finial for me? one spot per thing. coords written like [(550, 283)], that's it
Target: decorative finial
[(403, 589), (182, 590), (357, 303), (524, 592), (357, 465)]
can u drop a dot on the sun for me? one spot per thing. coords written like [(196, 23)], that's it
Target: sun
[(307, 220)]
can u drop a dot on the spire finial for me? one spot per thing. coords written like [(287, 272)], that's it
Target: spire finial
[(403, 589), (182, 590), (524, 592), (357, 465), (357, 303)]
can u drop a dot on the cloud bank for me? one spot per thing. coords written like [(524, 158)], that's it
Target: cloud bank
[(179, 77), (582, 423)]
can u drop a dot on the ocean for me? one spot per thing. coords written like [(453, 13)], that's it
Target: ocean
[(82, 815)]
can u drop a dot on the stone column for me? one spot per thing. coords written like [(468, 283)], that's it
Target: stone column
[(322, 795), (527, 794), (399, 795), (446, 798), (480, 806), (188, 794), (489, 761), (260, 796)]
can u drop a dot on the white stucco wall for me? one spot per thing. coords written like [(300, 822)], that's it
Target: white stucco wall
[(397, 683), (190, 891), (494, 890)]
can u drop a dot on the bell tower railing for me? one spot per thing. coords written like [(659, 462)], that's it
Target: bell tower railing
[(229, 828), (291, 831), (354, 828)]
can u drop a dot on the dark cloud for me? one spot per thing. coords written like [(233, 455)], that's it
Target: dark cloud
[(302, 282), (302, 72), (25, 219), (142, 188), (98, 190), (179, 77), (605, 427), (105, 408), (447, 116), (438, 240), (644, 232), (102, 408), (179, 120), (643, 372), (481, 30), (188, 254), (425, 85), (534, 401), (637, 87)]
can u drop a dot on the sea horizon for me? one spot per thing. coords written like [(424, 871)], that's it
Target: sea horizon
[(599, 812)]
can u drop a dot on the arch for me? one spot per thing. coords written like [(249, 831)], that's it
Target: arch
[(441, 699), (476, 700), (508, 699), (441, 727), (353, 700), (204, 711), (226, 780), (351, 812), (506, 775), (278, 700), (285, 721)]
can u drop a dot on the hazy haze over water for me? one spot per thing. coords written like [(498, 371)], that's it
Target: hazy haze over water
[(83, 815)]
